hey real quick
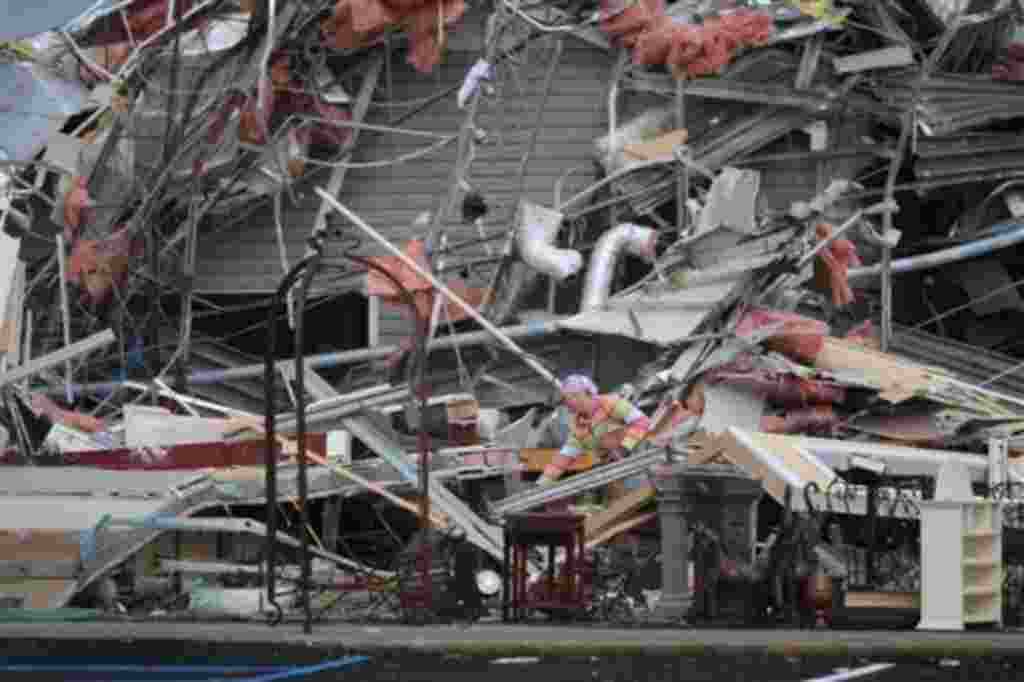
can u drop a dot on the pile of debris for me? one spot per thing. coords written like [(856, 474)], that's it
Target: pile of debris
[(790, 180)]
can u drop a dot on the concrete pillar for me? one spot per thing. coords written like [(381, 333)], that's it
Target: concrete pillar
[(725, 500), (676, 598)]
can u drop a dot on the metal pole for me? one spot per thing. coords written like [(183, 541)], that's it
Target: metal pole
[(682, 173), (300, 418), (65, 313), (206, 377), (890, 191), (440, 286), (64, 355), (270, 422)]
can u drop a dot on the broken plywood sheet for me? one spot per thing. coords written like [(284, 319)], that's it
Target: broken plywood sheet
[(618, 511), (9, 268), (619, 528), (14, 317), (661, 147), (776, 463), (897, 380)]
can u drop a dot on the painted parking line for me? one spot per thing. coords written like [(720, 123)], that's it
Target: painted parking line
[(262, 673), (292, 672), (854, 674), (103, 668)]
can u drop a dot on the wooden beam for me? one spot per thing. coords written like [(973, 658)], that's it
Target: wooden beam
[(617, 529), (660, 147), (535, 459), (618, 510)]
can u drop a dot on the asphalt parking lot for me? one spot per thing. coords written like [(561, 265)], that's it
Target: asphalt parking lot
[(450, 668)]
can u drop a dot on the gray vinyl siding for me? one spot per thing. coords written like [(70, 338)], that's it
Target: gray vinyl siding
[(245, 258)]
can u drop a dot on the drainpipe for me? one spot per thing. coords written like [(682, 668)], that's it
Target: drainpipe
[(634, 239), (536, 235)]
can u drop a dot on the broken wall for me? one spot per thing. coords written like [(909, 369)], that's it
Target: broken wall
[(391, 197)]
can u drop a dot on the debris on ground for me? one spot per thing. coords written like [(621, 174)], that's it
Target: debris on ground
[(306, 305)]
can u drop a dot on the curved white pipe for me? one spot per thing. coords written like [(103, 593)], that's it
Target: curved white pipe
[(536, 234), (634, 239), (1005, 235)]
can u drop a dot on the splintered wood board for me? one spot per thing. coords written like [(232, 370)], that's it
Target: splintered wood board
[(659, 147), (619, 528), (535, 459), (617, 511), (705, 448), (856, 599), (775, 461), (897, 380)]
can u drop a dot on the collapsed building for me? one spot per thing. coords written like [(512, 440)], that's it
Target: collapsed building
[(289, 287)]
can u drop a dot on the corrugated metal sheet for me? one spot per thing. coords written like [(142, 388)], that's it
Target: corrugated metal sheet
[(245, 258), (970, 363)]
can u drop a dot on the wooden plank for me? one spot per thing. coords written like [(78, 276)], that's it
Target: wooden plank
[(882, 600), (780, 455), (620, 528), (796, 459), (14, 314), (897, 380), (535, 459), (658, 148), (704, 449), (618, 510)]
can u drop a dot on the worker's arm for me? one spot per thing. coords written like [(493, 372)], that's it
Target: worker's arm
[(637, 423), (554, 470)]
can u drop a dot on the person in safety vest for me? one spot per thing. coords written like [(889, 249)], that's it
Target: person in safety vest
[(607, 425)]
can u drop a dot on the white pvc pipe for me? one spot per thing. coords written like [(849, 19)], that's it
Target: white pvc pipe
[(629, 237), (535, 234), (980, 247), (65, 310)]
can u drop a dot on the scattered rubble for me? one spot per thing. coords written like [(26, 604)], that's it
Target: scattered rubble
[(793, 253)]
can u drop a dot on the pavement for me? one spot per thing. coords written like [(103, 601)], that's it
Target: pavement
[(185, 639)]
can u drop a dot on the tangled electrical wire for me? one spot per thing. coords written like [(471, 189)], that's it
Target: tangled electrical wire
[(164, 170)]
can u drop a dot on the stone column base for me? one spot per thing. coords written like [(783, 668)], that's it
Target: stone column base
[(672, 610)]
